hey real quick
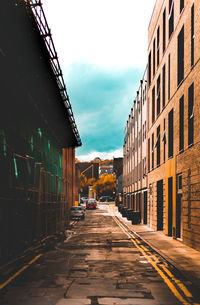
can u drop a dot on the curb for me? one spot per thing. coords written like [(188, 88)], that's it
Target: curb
[(185, 274)]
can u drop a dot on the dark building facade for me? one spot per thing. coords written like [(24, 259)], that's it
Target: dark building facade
[(118, 171), (89, 169), (38, 134), (118, 166)]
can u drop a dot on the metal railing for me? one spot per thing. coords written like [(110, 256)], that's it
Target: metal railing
[(45, 32)]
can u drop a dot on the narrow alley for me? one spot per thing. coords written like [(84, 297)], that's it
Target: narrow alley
[(100, 262)]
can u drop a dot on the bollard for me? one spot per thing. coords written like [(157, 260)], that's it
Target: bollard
[(129, 214), (124, 211)]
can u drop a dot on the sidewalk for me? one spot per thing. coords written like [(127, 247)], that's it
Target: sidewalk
[(184, 258)]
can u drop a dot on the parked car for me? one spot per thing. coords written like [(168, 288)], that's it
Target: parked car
[(83, 199), (105, 199), (77, 212), (91, 204)]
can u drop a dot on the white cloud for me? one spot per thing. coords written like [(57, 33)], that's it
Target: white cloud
[(104, 32), (102, 155)]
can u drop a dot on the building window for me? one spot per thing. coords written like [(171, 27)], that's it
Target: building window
[(180, 61), (143, 96), (158, 145), (154, 57), (164, 141), (169, 68), (158, 95), (145, 129), (181, 123), (192, 35), (149, 68), (158, 42), (181, 5), (139, 138), (163, 86), (164, 30), (152, 153), (143, 133), (170, 133), (191, 115), (148, 155), (171, 17), (153, 104)]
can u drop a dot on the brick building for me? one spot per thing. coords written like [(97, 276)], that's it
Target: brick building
[(170, 153), (134, 152), (173, 120)]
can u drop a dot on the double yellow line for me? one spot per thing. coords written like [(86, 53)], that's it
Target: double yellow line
[(11, 278), (15, 275), (184, 296)]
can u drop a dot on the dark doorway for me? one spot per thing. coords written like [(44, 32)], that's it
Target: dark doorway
[(133, 202), (137, 202), (140, 202), (160, 205), (170, 205), (129, 201), (145, 207), (178, 215)]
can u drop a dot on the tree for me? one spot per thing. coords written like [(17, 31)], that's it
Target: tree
[(83, 181), (105, 185), (91, 181)]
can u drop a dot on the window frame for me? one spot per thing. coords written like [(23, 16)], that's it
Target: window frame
[(171, 134), (191, 115), (181, 124), (180, 56)]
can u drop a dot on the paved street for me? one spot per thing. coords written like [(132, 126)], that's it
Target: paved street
[(100, 262)]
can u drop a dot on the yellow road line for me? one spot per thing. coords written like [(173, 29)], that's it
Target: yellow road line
[(19, 272), (142, 249), (178, 282), (164, 267)]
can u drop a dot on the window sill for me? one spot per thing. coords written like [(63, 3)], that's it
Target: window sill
[(181, 82), (181, 13), (181, 151), (190, 145)]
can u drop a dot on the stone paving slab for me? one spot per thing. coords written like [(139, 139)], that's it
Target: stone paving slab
[(128, 301), (74, 302)]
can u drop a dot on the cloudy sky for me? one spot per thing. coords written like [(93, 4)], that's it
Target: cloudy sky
[(102, 48)]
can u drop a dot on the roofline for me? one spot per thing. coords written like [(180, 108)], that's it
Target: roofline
[(45, 32)]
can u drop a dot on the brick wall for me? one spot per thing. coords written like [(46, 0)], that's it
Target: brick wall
[(189, 158)]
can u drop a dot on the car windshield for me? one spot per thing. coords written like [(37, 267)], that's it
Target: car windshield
[(91, 201), (76, 209)]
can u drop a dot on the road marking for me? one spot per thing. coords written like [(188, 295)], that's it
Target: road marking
[(19, 272), (153, 262)]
